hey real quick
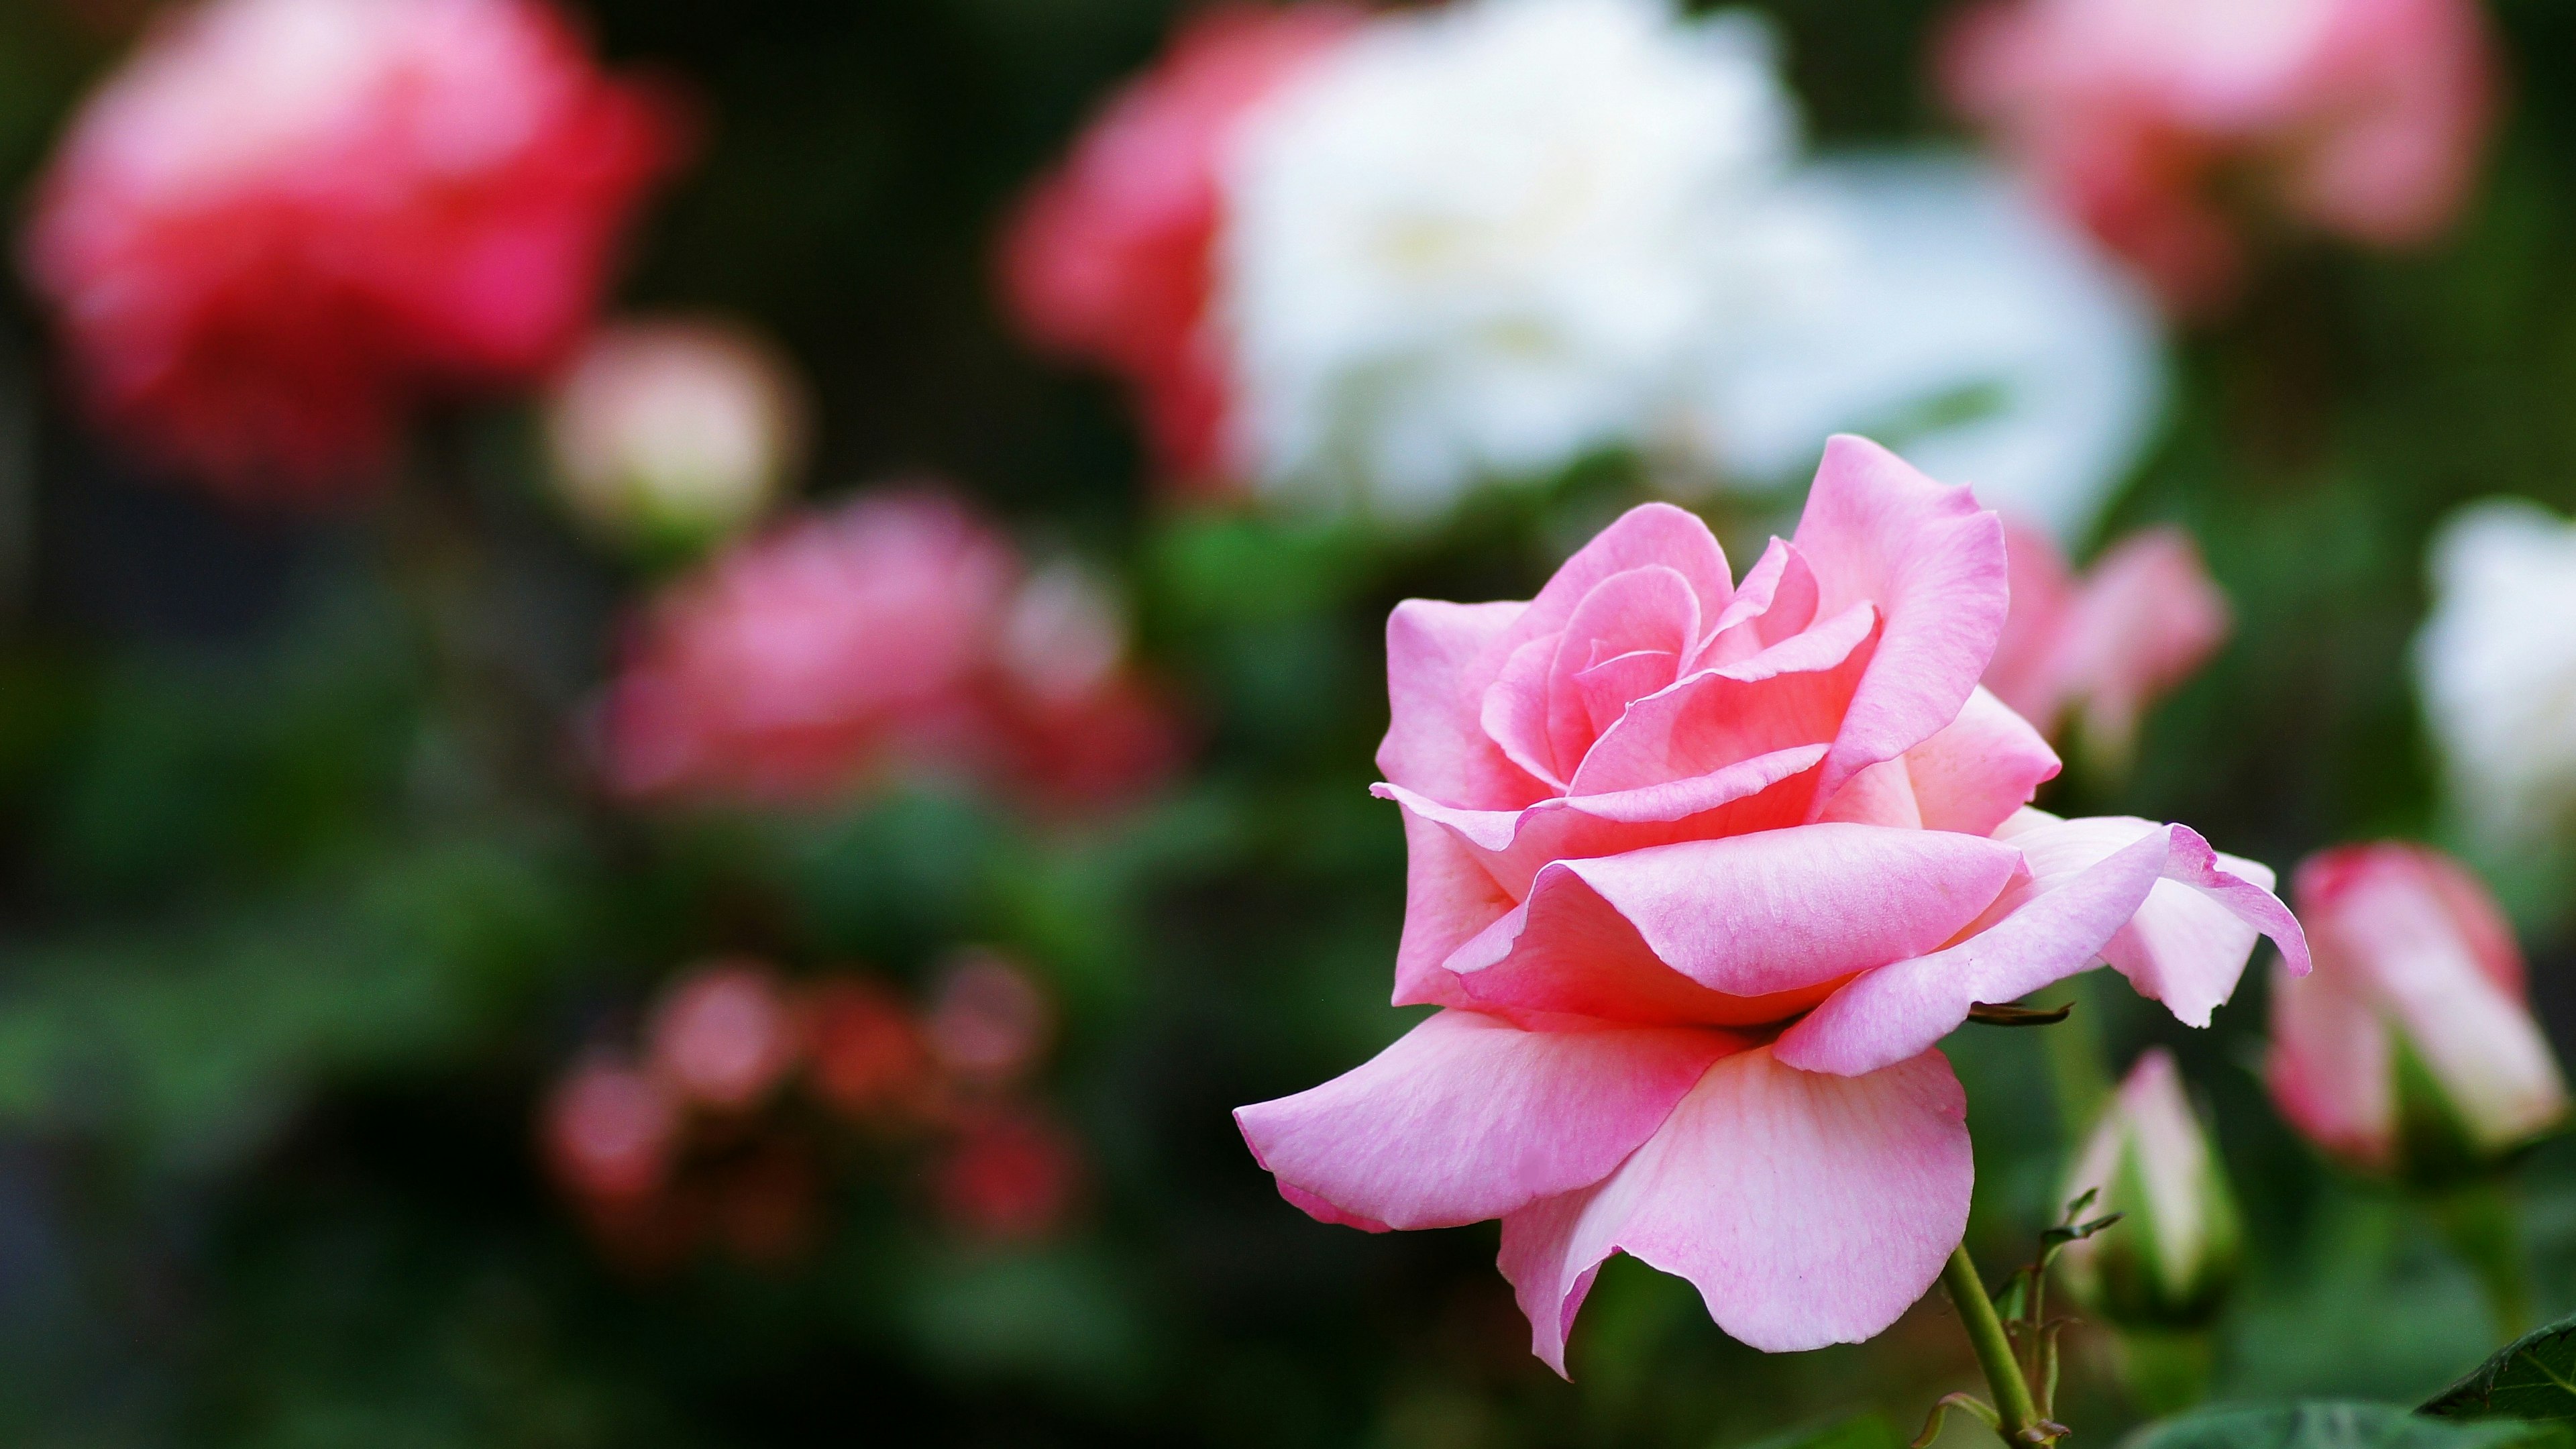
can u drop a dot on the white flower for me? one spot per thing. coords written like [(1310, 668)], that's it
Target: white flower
[(1482, 240), (1972, 329), (2496, 663), (675, 428)]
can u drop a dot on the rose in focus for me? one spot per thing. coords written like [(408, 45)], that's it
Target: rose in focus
[(1701, 872), (2411, 1052), (284, 222), (2161, 123), (896, 632)]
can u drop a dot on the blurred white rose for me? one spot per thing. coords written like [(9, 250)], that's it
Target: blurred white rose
[(2496, 663), (675, 429), (1972, 329), (1482, 240)]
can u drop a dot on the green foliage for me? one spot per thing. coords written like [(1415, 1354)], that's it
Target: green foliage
[(2332, 1425), (2533, 1377)]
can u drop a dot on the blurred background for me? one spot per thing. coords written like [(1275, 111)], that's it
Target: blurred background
[(427, 1017)]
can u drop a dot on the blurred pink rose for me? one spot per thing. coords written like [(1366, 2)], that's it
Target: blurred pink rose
[(2102, 649), (674, 429), (724, 1034), (888, 632), (989, 1022), (610, 1131), (1011, 1176), (284, 220), (1108, 258), (2152, 120), (1702, 872), (2411, 1051)]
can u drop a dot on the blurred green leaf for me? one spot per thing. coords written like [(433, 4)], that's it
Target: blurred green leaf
[(2533, 1377), (2328, 1425)]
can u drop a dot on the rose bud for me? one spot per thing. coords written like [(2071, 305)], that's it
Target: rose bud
[(2173, 1255), (1110, 257), (989, 1022), (2099, 650), (610, 1131), (1013, 1176), (673, 432), (869, 1061), (2496, 664), (282, 224), (2410, 1052), (725, 1035), (2175, 131)]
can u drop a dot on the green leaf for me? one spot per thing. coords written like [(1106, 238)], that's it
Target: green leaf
[(2533, 1377), (2331, 1425)]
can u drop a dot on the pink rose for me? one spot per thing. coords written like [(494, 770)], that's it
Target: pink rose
[(1701, 872), (1108, 258), (2363, 118), (283, 220), (2416, 968), (897, 631), (2104, 648)]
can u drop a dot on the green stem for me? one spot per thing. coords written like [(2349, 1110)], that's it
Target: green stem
[(1993, 1347), (2483, 1220)]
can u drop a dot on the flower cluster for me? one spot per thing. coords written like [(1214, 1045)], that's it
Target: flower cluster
[(286, 221), (897, 630), (702, 1139), (1701, 872)]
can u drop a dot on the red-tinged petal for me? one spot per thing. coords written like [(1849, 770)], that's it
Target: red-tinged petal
[(1750, 916), (1877, 531), (1468, 1117), (1808, 1209), (2045, 933), (1439, 660), (1982, 767), (2327, 1067)]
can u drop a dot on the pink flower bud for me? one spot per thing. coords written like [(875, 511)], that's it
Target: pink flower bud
[(989, 1022), (724, 1036), (2410, 1052), (2176, 1251), (675, 430), (609, 1132), (869, 1060), (2101, 649), (283, 221), (1013, 1176), (1108, 258)]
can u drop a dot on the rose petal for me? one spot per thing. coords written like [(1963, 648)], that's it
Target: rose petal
[(1793, 693), (1980, 768), (1651, 608), (1776, 600), (1436, 655), (1649, 534), (1467, 1117), (1808, 1209)]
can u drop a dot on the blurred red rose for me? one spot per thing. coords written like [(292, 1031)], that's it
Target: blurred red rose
[(1108, 258), (725, 1034), (2152, 119), (1013, 1176), (869, 1062), (284, 221), (989, 1022), (609, 1132), (892, 631)]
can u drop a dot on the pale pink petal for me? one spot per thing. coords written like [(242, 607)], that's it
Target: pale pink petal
[(2146, 617), (1647, 535), (1513, 712), (1439, 659), (1449, 896), (2027, 672), (1776, 600), (1877, 531), (1748, 916), (1976, 772), (2327, 1066), (1807, 1209), (1882, 794), (1892, 1013), (1605, 690), (1468, 1117), (1651, 608), (1794, 693)]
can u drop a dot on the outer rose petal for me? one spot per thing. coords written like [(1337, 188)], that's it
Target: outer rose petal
[(1748, 916), (1933, 562), (1976, 772), (1468, 1117), (1808, 1209), (1439, 659), (1892, 1013), (2327, 1067), (1448, 898)]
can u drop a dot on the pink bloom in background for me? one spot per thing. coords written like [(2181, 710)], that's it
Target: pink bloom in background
[(1701, 871), (886, 633), (2148, 119), (283, 221), (2099, 650), (726, 1034), (610, 1132), (2411, 1051), (1108, 258), (989, 1022), (869, 1060), (1011, 1176)]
